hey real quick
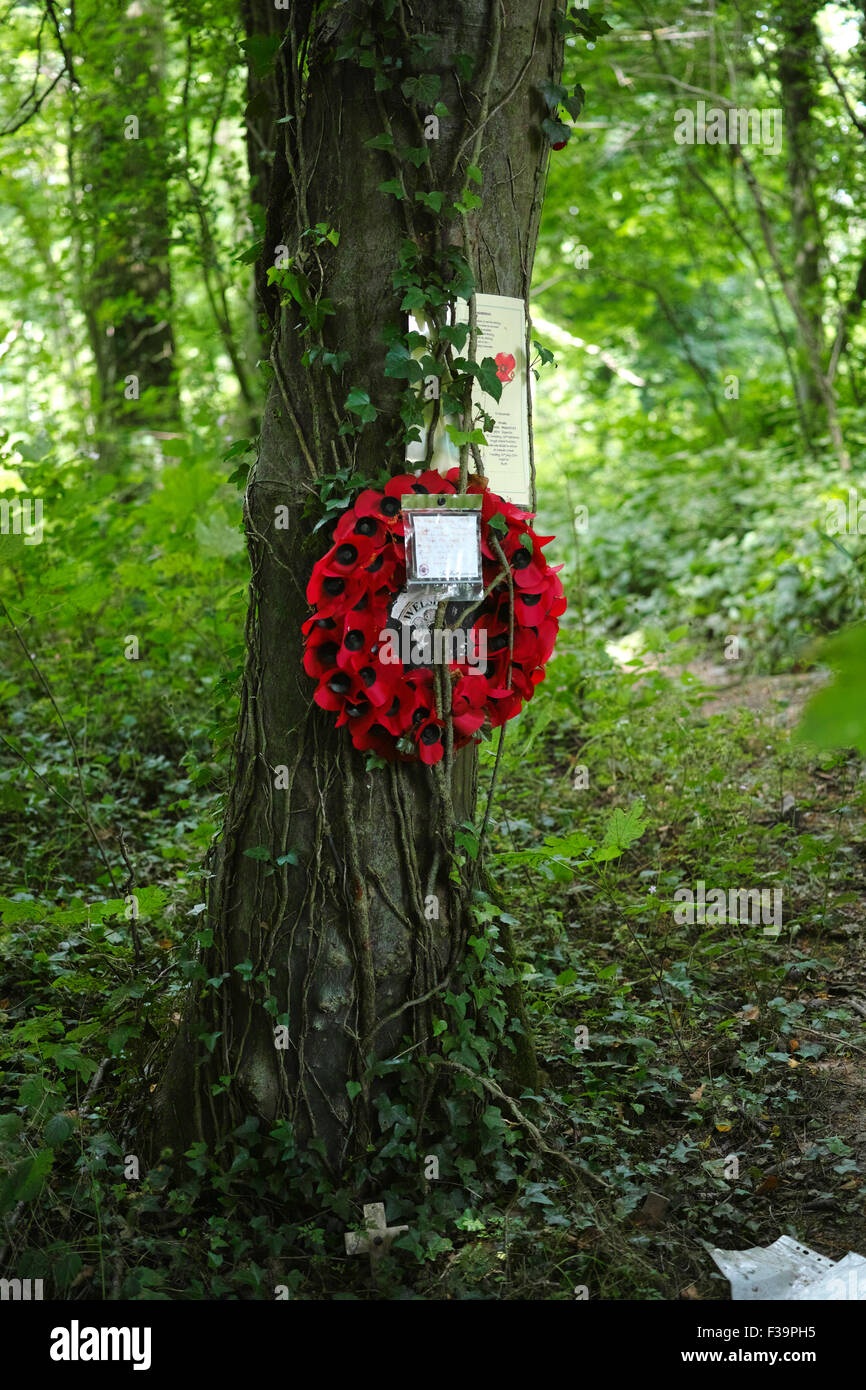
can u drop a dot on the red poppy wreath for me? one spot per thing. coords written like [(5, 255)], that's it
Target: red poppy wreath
[(389, 708)]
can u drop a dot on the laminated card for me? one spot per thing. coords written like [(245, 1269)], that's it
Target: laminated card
[(501, 335)]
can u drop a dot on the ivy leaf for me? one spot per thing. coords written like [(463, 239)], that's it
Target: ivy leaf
[(385, 141), (556, 132), (433, 201), (488, 378), (414, 298), (359, 403), (465, 65), (393, 186), (553, 94), (575, 103), (473, 173), (460, 437), (261, 852), (354, 1089), (400, 363), (544, 353), (424, 88)]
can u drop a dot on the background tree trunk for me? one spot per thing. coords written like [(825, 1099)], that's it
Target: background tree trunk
[(798, 81), (122, 220), (339, 944)]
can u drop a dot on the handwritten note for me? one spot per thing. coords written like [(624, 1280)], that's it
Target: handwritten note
[(446, 546)]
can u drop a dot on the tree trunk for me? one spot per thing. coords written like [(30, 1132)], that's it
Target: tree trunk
[(798, 80), (344, 945), (118, 172)]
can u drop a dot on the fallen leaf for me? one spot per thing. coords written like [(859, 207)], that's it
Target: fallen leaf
[(653, 1211), (698, 1094), (767, 1185), (690, 1292)]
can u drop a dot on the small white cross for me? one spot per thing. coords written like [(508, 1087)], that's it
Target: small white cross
[(379, 1234)]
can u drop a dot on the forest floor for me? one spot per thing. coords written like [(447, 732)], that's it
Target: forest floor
[(725, 1070), (716, 1094)]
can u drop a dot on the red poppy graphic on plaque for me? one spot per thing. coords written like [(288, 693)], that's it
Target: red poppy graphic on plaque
[(505, 365), (389, 708)]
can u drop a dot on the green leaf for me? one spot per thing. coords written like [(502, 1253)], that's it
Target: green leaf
[(57, 1130), (623, 828), (354, 1089), (393, 186), (433, 201), (26, 1180), (259, 852), (423, 89), (556, 132), (836, 716), (359, 403)]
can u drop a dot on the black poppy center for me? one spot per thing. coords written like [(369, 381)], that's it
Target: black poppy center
[(325, 622), (522, 559), (420, 715), (531, 599), (353, 641), (395, 708), (347, 554), (430, 734), (328, 653), (333, 584), (339, 684), (419, 487), (368, 676), (377, 564), (498, 644), (390, 506), (365, 526)]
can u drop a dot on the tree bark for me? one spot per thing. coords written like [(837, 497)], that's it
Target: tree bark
[(121, 217), (342, 943), (798, 81)]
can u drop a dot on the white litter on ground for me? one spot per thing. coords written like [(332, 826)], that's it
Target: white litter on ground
[(790, 1271)]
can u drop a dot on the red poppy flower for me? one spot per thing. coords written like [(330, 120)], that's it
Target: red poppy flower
[(505, 365), (429, 742)]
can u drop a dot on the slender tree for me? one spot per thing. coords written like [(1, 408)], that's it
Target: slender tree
[(119, 168), (321, 884)]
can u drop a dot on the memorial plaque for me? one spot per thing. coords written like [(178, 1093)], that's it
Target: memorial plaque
[(501, 322)]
